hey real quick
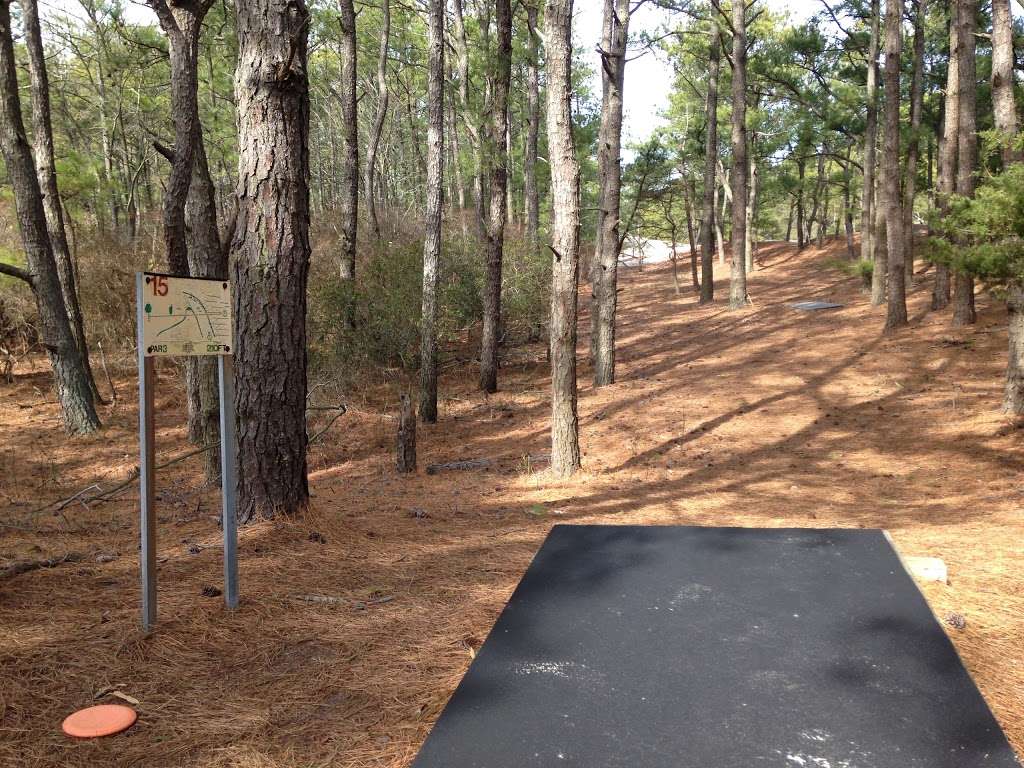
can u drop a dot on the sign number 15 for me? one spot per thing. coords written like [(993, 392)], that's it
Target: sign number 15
[(159, 283)]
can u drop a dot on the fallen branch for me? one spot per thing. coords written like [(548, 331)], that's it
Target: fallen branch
[(357, 604), (26, 566)]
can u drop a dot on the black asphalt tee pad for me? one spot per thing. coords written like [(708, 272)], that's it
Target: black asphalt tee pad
[(688, 647)]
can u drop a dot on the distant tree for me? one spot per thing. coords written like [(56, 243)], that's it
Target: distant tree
[(947, 160)]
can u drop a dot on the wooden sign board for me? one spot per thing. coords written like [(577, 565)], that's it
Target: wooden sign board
[(184, 316)]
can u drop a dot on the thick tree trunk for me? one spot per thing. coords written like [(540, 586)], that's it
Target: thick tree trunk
[(494, 245), (896, 314), (946, 183), (348, 170), (1004, 108), (1013, 395), (605, 270), (565, 236), (707, 239), (383, 97), (967, 146), (913, 150), (801, 172), (738, 278), (46, 170), (74, 392), (530, 189), (271, 256), (867, 239), (435, 205)]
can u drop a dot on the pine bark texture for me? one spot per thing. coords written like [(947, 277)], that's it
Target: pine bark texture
[(271, 256), (494, 242), (1004, 109), (432, 223), (870, 139), (565, 236), (967, 146), (604, 277), (348, 171), (405, 453), (738, 278), (74, 392), (896, 313), (707, 234), (945, 185)]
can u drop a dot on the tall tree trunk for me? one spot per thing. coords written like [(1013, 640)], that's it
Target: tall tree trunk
[(1013, 393), (967, 146), (914, 149), (494, 245), (707, 239), (74, 392), (530, 189), (271, 256), (751, 213), (46, 170), (867, 207), (182, 23), (880, 270), (946, 183), (605, 273), (738, 278), (847, 206), (689, 193), (1004, 108), (348, 170), (473, 131), (207, 257), (801, 172), (565, 236), (896, 314), (370, 171), (435, 205)]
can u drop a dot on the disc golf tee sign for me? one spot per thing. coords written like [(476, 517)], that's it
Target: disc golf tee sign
[(185, 316), (190, 316)]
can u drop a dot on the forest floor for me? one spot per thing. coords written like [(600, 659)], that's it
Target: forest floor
[(763, 417)]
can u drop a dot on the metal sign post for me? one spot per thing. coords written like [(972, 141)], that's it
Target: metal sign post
[(179, 315)]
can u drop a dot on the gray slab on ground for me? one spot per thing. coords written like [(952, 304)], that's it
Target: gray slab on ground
[(813, 306), (682, 647)]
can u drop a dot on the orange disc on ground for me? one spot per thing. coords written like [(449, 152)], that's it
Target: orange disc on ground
[(101, 720)]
